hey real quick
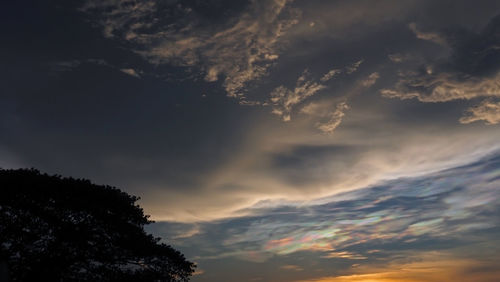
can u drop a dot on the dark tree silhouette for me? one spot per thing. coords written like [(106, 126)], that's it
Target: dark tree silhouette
[(65, 229)]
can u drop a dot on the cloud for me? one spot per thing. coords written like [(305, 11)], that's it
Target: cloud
[(344, 255), (245, 178), (241, 50), (330, 74), (381, 221), (443, 87), (235, 182), (345, 20), (353, 67), (278, 165), (335, 72), (468, 73), (292, 267), (398, 58), (198, 272), (63, 66), (430, 36), (330, 119), (370, 80), (335, 118), (283, 99), (330, 112), (189, 233), (488, 110), (130, 72)]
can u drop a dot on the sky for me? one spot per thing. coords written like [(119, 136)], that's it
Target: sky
[(273, 140)]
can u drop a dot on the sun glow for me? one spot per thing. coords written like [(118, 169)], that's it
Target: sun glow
[(431, 266)]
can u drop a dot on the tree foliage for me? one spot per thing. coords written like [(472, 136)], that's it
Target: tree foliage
[(65, 229)]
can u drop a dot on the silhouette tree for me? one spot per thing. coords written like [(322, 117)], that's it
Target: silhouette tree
[(65, 229)]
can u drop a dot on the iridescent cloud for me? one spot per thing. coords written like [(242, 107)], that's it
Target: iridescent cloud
[(454, 212)]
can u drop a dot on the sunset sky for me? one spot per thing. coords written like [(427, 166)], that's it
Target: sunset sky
[(273, 140)]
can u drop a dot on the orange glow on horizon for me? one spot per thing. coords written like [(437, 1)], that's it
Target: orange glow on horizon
[(430, 267)]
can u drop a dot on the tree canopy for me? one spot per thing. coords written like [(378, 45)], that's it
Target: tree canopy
[(64, 229)]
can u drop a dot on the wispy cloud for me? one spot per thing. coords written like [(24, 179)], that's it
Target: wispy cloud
[(292, 267), (330, 115), (488, 110), (370, 80), (430, 36), (443, 87), (467, 74), (330, 74), (284, 99), (399, 58), (353, 67), (130, 72), (240, 51)]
